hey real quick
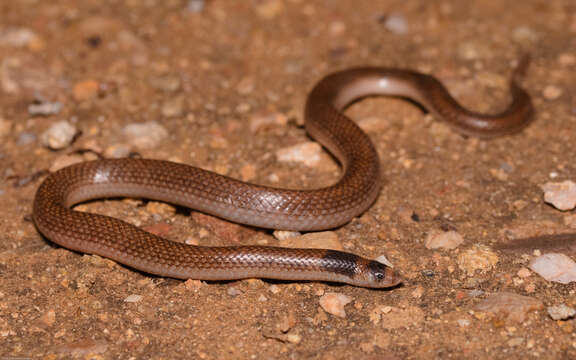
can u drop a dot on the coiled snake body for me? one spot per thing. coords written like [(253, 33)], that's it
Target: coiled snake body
[(256, 205)]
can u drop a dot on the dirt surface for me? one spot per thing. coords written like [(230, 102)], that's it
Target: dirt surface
[(211, 76)]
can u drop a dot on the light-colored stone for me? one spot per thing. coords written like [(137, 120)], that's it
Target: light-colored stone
[(308, 153), (555, 267), (59, 136), (478, 257), (438, 239), (145, 135), (562, 195), (333, 303)]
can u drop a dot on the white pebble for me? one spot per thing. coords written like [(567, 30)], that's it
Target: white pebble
[(145, 135), (267, 119), (561, 195), (307, 153), (117, 151), (195, 6), (18, 37), (233, 291), (463, 322), (333, 303), (524, 35), (382, 259), (274, 289), (443, 240), (396, 23), (284, 234), (561, 312), (59, 135), (133, 298), (44, 108), (552, 92), (555, 267)]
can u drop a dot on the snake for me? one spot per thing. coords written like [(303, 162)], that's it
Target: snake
[(261, 206)]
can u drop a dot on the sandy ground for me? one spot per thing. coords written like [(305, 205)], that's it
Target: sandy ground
[(209, 76)]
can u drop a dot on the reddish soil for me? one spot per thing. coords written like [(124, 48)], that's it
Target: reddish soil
[(205, 76)]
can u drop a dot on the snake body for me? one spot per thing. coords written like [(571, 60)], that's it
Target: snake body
[(257, 205)]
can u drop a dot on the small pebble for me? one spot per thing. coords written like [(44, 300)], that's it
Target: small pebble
[(274, 289), (269, 9), (284, 235), (265, 120), (86, 348), (512, 307), (395, 23), (233, 291), (516, 341), (86, 90), (44, 108), (438, 239), (567, 59), (195, 6), (520, 204), (552, 92), (333, 303), (167, 84), (524, 35), (145, 135), (383, 260), (160, 208), (173, 107), (134, 298), (287, 321), (293, 338), (418, 292), (561, 312), (192, 284), (555, 267), (59, 136), (479, 257), (562, 195), (463, 322), (337, 28), (524, 273), (117, 151), (48, 318), (245, 86), (19, 37), (308, 153), (470, 50)]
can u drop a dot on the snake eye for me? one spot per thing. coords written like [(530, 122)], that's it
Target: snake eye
[(377, 270), (379, 276)]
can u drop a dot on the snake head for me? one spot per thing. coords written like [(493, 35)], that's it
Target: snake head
[(378, 275)]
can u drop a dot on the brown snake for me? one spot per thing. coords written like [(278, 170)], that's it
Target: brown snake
[(257, 205)]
